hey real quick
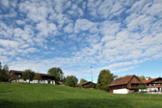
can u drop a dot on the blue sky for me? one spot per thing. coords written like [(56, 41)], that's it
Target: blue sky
[(122, 36)]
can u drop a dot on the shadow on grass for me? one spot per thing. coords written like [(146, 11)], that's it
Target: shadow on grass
[(69, 103)]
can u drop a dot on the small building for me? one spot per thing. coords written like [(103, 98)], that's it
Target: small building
[(88, 85), (125, 85), (153, 85), (16, 76)]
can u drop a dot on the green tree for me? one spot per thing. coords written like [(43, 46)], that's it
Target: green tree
[(71, 81), (37, 77), (3, 75), (6, 68), (0, 66), (57, 72), (142, 77), (104, 79), (83, 80), (28, 74)]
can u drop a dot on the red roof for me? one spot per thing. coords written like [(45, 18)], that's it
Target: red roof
[(121, 81), (150, 80)]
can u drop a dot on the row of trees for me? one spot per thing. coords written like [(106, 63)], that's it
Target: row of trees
[(3, 72)]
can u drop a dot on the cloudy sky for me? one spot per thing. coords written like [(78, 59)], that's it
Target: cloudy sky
[(122, 36)]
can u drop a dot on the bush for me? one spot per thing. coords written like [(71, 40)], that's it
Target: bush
[(71, 81)]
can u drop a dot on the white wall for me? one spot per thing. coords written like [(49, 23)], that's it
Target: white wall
[(121, 91), (35, 81), (149, 89)]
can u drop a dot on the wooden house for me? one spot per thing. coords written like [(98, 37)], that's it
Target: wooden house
[(125, 85), (88, 85), (16, 76), (153, 85)]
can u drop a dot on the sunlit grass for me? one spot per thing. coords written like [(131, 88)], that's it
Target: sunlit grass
[(14, 95)]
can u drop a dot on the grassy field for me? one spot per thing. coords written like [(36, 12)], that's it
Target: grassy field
[(14, 95)]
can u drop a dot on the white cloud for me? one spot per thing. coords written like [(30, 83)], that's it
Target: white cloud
[(9, 43), (83, 25), (69, 28)]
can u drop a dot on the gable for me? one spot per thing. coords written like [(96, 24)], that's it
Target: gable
[(121, 81)]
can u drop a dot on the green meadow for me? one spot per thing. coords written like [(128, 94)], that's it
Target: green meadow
[(18, 95)]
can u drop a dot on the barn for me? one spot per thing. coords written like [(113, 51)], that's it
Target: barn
[(16, 76), (153, 85), (125, 84)]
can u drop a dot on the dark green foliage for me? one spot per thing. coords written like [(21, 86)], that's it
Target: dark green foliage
[(57, 72), (0, 66), (71, 81), (3, 75), (6, 68), (28, 74), (83, 81), (104, 79), (37, 77)]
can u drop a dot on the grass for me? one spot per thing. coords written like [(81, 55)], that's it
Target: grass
[(15, 95)]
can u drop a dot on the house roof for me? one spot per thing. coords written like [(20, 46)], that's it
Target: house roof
[(15, 71), (150, 80), (20, 72), (122, 81)]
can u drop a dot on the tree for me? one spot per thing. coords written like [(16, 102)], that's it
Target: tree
[(57, 72), (3, 75), (3, 72), (37, 77), (28, 74), (105, 78), (142, 77), (5, 67), (0, 66), (71, 81), (83, 81)]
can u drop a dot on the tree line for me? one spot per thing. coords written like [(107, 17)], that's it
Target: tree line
[(105, 77)]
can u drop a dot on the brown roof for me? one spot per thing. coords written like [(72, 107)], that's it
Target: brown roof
[(150, 80), (20, 72), (121, 81)]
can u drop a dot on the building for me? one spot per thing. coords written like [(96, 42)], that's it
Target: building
[(153, 85), (125, 85), (16, 76), (88, 85)]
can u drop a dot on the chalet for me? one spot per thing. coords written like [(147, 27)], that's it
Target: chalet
[(16, 76), (154, 84), (125, 85), (88, 85)]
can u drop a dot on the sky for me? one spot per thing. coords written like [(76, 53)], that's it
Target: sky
[(124, 36)]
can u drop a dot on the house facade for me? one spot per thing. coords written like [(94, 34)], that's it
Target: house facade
[(16, 76), (125, 85), (153, 85)]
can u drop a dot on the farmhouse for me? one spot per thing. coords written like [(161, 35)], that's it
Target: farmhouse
[(88, 85), (154, 84), (125, 85), (16, 76)]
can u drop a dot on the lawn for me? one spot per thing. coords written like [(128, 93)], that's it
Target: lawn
[(15, 95)]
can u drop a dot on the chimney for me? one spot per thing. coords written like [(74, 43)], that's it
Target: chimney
[(147, 78)]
